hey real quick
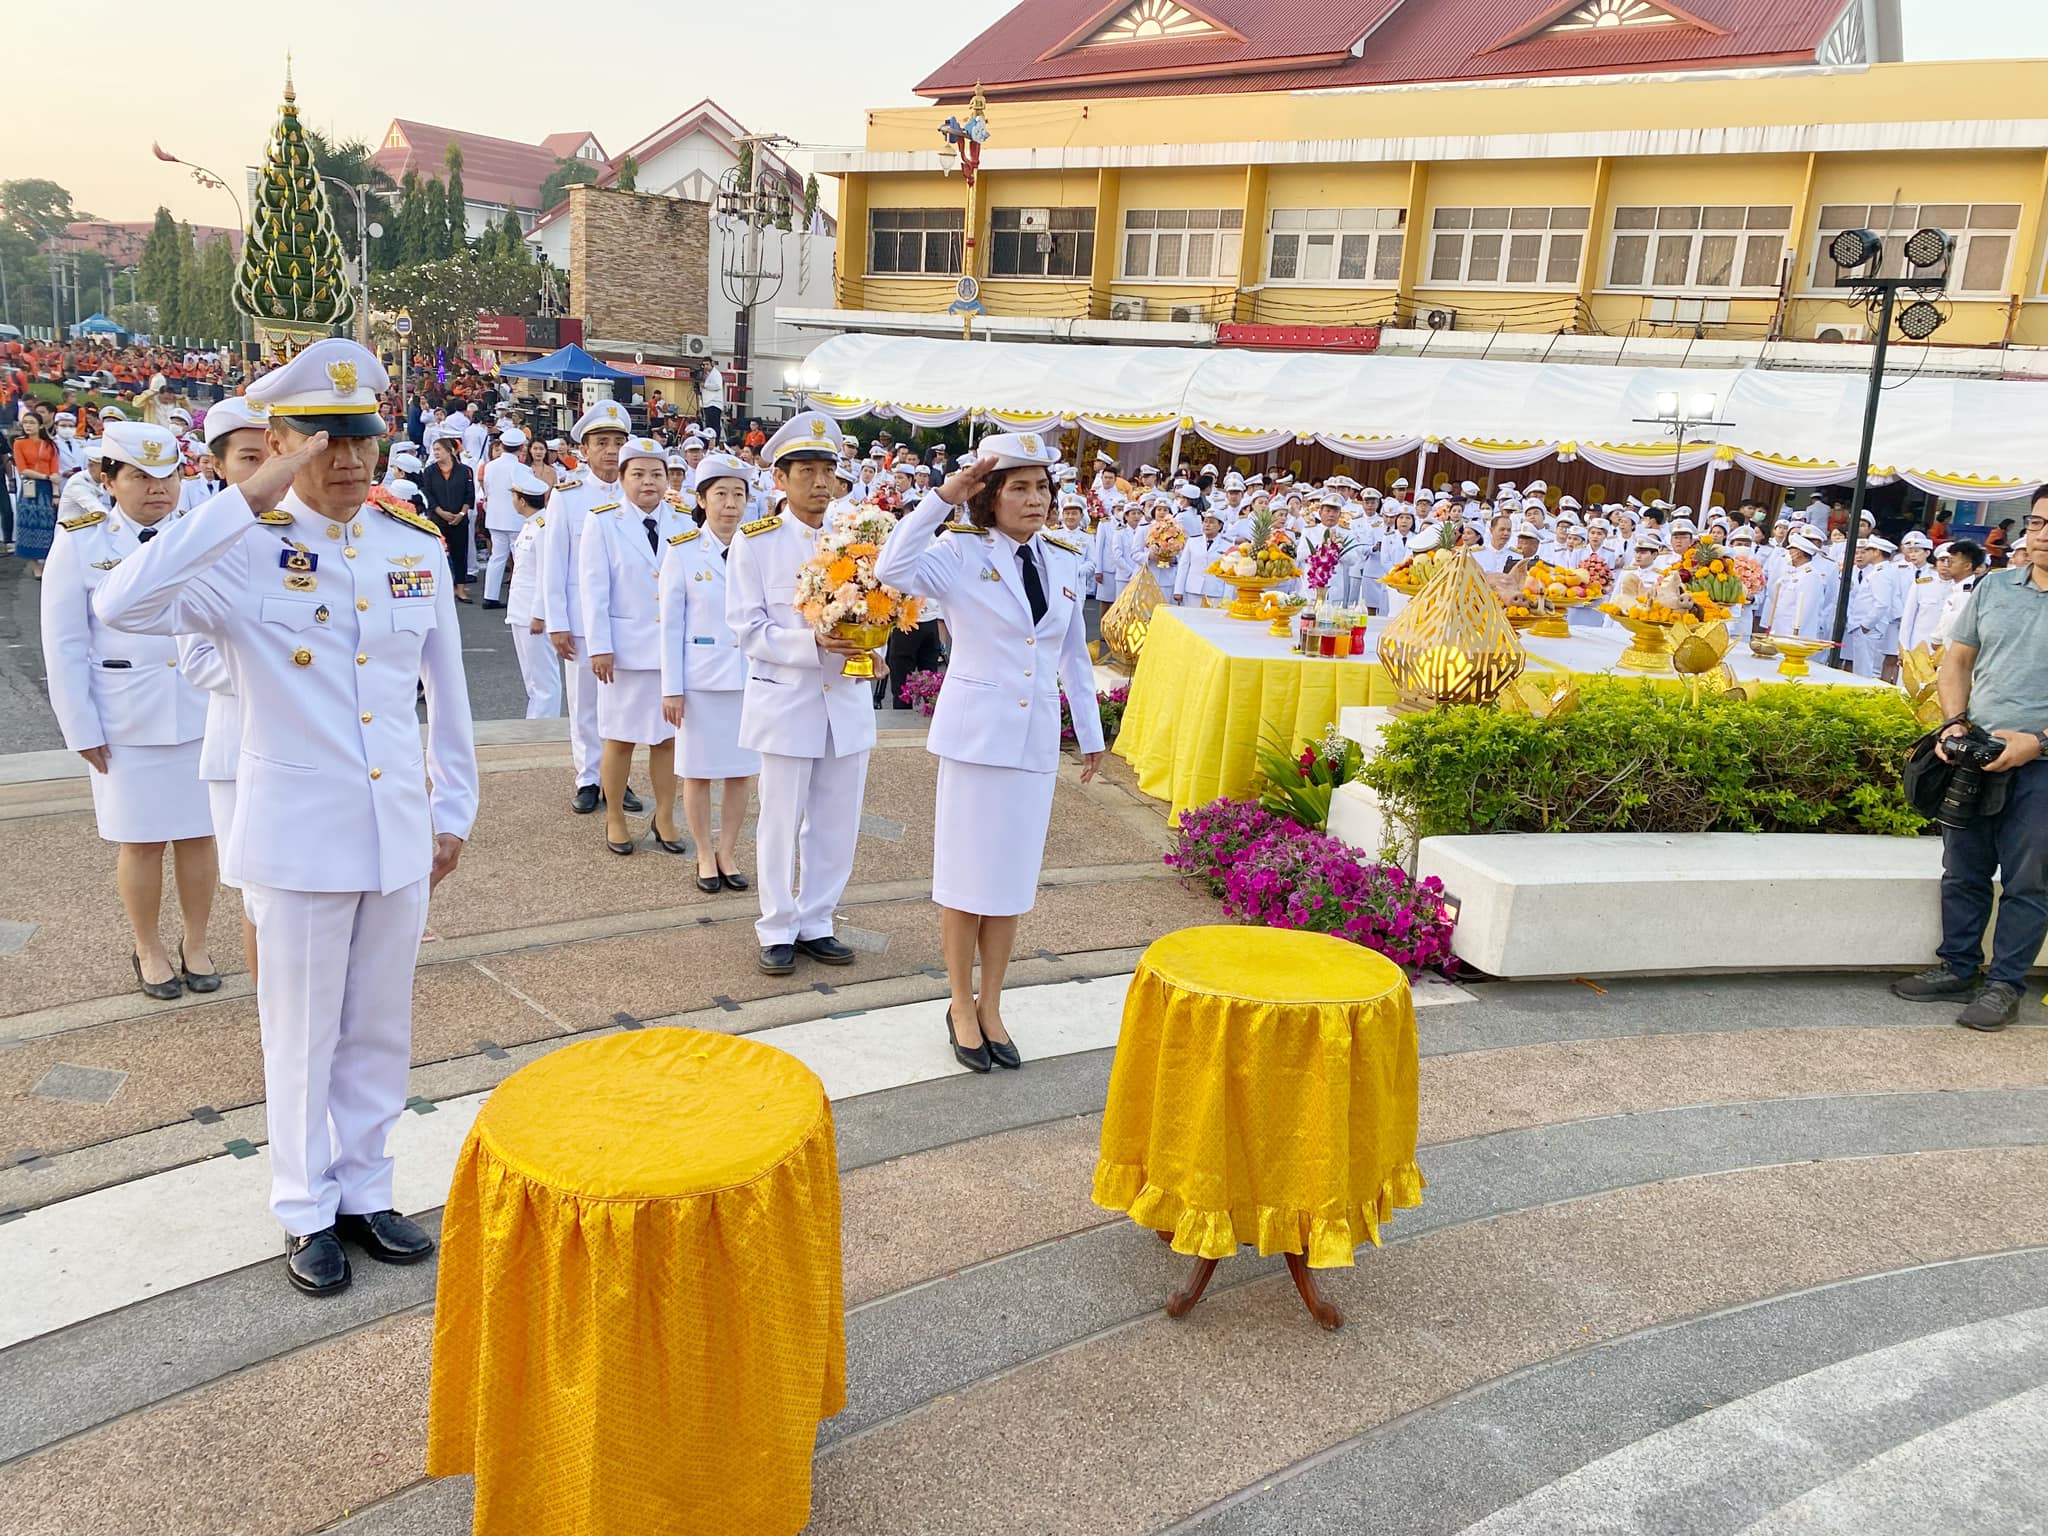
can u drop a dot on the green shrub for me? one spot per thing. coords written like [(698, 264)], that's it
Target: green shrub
[(1637, 758)]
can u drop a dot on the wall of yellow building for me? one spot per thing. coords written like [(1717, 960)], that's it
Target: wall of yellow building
[(1381, 185), (1918, 92)]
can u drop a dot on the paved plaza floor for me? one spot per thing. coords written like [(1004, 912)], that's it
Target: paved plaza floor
[(1697, 1256)]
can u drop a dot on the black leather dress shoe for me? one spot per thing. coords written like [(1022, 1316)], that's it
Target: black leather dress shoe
[(976, 1060), (708, 884), (623, 850), (1003, 1053), (162, 991), (827, 951), (586, 799), (734, 882), (778, 959), (491, 602), (634, 804), (315, 1263), (386, 1236), (667, 844), (197, 981)]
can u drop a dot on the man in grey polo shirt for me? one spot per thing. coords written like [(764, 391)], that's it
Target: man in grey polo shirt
[(1994, 675)]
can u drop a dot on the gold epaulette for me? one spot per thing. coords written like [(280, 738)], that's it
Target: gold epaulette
[(1071, 549), (685, 536), (610, 506), (539, 521), (276, 517), (407, 516), (762, 524), (86, 520), (568, 485), (960, 528)]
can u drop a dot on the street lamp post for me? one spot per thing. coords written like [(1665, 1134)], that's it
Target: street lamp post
[(359, 195), (800, 381), (1927, 253), (213, 182), (1679, 415)]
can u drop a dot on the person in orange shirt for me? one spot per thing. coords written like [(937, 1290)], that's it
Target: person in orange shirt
[(35, 503)]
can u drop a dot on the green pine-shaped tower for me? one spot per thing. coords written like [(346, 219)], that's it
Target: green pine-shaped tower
[(292, 277)]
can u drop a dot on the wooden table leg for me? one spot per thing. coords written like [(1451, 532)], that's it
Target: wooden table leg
[(1182, 1301), (1304, 1282)]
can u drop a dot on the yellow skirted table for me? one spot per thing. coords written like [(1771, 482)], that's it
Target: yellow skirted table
[(1209, 686), (1264, 1094), (640, 1320)]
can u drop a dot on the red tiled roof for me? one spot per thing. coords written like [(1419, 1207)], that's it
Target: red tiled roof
[(493, 170), (122, 243), (1416, 41), (565, 145)]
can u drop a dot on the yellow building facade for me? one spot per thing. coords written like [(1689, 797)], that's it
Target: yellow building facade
[(1676, 207)]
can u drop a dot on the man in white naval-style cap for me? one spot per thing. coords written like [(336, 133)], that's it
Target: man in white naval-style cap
[(501, 517), (330, 610), (600, 435), (812, 724)]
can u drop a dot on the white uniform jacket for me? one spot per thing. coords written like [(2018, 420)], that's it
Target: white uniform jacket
[(561, 599), (1926, 596), (109, 689), (1192, 578), (620, 578), (1001, 702), (200, 664), (798, 698), (332, 791), (522, 594), (699, 652)]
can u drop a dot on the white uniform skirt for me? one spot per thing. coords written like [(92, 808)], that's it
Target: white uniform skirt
[(629, 708), (990, 840), (151, 795), (708, 745), (220, 802)]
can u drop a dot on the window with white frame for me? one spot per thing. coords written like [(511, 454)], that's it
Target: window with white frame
[(915, 241), (1182, 244), (1335, 245), (1719, 249), (1984, 235), (1041, 242), (1507, 247)]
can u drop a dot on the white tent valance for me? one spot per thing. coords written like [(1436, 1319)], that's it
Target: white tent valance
[(1972, 438)]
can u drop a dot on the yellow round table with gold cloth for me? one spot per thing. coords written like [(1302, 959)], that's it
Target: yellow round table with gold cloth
[(640, 1321), (1264, 1094)]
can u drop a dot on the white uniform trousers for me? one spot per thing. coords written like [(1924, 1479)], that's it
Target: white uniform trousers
[(541, 670), (581, 690), (501, 555), (810, 806), (334, 994)]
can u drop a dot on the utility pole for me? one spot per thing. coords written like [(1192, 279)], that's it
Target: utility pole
[(745, 274)]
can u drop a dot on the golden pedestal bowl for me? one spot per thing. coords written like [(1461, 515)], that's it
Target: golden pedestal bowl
[(870, 637), (1795, 653), (1651, 648), (1250, 601)]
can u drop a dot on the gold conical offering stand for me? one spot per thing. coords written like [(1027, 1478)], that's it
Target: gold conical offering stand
[(1453, 644), (1129, 619)]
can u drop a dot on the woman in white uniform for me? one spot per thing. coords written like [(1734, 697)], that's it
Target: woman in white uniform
[(619, 572), (704, 672), (540, 669), (238, 440), (123, 707), (1013, 598)]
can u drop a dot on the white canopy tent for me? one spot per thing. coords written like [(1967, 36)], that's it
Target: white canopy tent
[(1977, 439)]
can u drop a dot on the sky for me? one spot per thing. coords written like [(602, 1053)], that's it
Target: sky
[(807, 68)]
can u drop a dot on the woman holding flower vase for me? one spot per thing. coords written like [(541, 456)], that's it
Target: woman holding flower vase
[(1013, 599)]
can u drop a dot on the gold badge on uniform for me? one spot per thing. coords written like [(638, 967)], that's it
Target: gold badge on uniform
[(320, 614), (408, 561), (296, 583), (295, 559), (302, 657)]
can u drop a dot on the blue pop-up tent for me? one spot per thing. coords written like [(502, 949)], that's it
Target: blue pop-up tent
[(571, 364), (95, 324)]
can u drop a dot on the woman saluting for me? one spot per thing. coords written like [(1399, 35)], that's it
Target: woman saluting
[(1013, 600)]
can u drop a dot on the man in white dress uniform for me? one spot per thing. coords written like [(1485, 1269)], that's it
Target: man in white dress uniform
[(812, 725), (601, 433), (329, 612)]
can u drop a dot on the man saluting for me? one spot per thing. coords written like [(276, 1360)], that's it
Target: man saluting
[(329, 606)]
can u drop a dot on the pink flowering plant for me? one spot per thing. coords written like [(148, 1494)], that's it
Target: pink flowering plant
[(920, 691), (1110, 706), (1271, 870), (1323, 562)]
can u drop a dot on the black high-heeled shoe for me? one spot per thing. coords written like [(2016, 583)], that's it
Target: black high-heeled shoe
[(164, 991), (708, 884), (733, 882), (197, 981), (1003, 1053), (976, 1060), (623, 850), (666, 845)]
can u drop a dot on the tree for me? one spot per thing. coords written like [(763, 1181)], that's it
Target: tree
[(217, 283), (629, 175), (156, 280), (445, 297), (411, 222), (292, 273), (810, 201), (458, 202), (348, 161), (195, 311), (566, 174), (746, 171), (436, 241), (512, 238), (35, 206)]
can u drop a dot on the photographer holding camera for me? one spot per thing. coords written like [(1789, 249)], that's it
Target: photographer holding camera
[(1993, 687)]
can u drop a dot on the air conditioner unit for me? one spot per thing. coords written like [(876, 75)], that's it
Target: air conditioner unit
[(1441, 319), (696, 346), (1034, 221), (1126, 306), (1839, 333), (1187, 314)]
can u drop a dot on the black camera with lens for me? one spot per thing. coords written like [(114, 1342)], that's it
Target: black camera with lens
[(1971, 792)]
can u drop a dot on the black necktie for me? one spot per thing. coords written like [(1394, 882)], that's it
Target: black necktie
[(1034, 590), (653, 538), (144, 535), (725, 551)]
